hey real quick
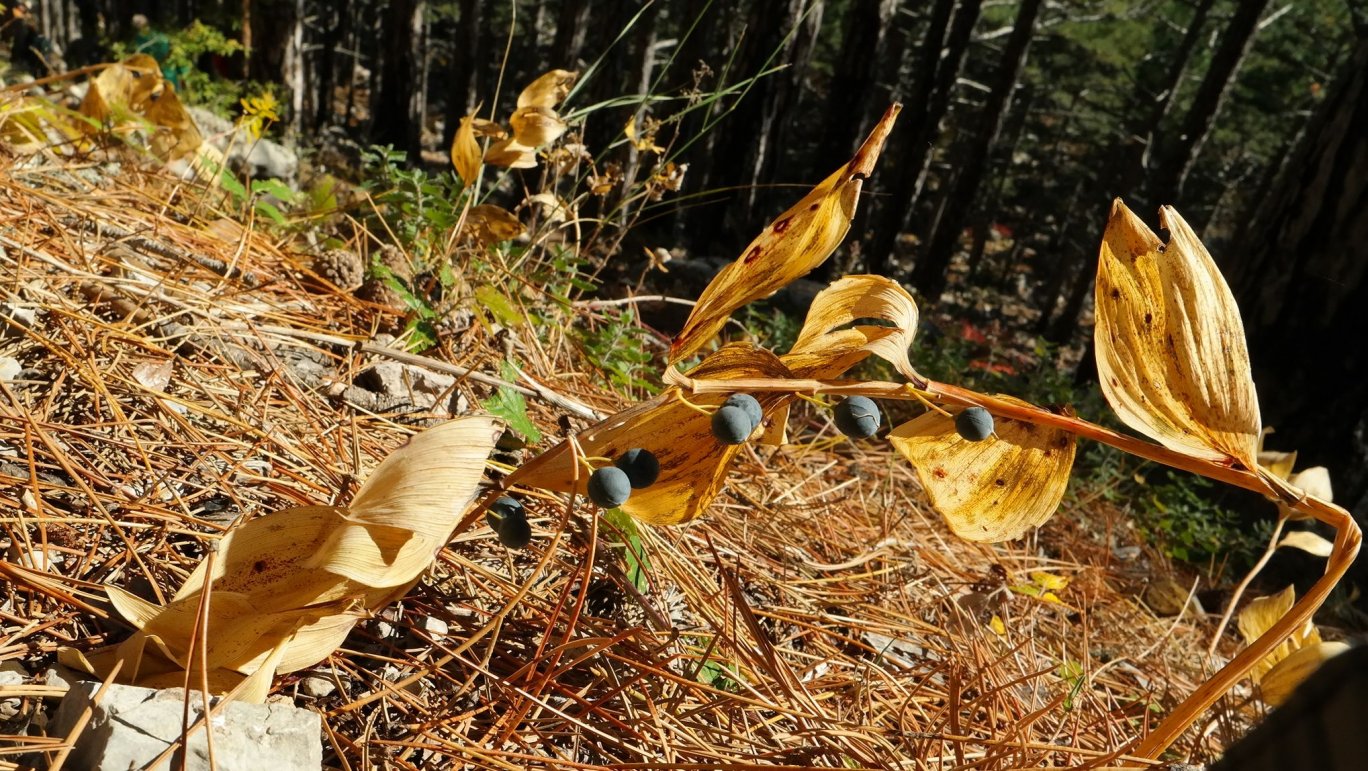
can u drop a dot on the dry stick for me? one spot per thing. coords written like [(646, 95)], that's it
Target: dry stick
[(1348, 536), (1244, 584)]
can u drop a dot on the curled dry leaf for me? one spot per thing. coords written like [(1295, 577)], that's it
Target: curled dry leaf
[(136, 85), (1308, 542), (836, 334), (791, 246), (508, 153), (1260, 615), (994, 490), (286, 588), (548, 90), (693, 464), (1171, 352), (1286, 675), (465, 151), (536, 126), (490, 224)]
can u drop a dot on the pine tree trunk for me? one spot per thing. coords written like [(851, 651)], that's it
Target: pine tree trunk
[(930, 273), (1182, 149), (397, 104), (938, 66)]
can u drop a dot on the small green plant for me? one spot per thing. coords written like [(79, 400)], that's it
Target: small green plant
[(618, 347), (510, 405), (184, 47)]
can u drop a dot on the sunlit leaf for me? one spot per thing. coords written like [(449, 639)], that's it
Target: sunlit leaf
[(510, 405), (1308, 542), (1171, 352), (798, 241), (499, 305), (837, 333), (508, 153), (489, 224), (693, 463), (993, 490), (287, 587), (1280, 681), (465, 152), (536, 126), (548, 90), (1260, 615)]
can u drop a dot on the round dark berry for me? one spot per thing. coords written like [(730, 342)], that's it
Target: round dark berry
[(749, 404), (974, 424), (502, 508), (732, 425), (514, 532), (858, 417), (640, 466), (609, 487)]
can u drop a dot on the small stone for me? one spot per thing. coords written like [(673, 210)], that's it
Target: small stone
[(11, 673), (1126, 553), (436, 627), (317, 686)]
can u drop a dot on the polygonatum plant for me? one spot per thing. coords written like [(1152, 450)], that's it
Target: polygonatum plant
[(1171, 356)]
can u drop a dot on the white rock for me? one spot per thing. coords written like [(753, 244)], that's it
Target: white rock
[(131, 727), (436, 627), (317, 686)]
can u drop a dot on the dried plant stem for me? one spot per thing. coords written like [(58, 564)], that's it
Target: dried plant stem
[(1348, 536), (1244, 584)]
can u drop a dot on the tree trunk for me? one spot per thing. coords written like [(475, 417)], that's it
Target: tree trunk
[(570, 24), (847, 116), (1181, 151), (938, 67), (930, 273), (1301, 276), (397, 107), (466, 59)]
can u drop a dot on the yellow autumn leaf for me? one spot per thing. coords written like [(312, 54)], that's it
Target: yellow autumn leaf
[(798, 241), (490, 224), (1286, 675), (508, 153), (693, 463), (1260, 615), (837, 334), (536, 126), (465, 151), (1171, 352), (288, 587), (176, 136), (643, 141), (1308, 542), (999, 628), (1049, 581), (993, 490), (548, 90)]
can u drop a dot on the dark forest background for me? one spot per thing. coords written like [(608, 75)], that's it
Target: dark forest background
[(1022, 121)]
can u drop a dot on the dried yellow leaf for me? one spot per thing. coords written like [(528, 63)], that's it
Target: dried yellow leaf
[(693, 463), (837, 334), (994, 490), (1286, 675), (1260, 615), (1171, 352), (1049, 581), (508, 153), (287, 587), (465, 151), (791, 246), (490, 224), (548, 90), (536, 126), (1308, 542)]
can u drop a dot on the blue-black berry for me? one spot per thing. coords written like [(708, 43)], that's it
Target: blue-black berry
[(609, 487), (640, 466), (732, 425), (749, 404), (858, 417), (507, 518), (974, 424)]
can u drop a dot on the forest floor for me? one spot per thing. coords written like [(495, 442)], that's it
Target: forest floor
[(175, 370)]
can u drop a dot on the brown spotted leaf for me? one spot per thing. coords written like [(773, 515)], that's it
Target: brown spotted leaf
[(837, 333), (791, 246), (287, 587), (1171, 352), (993, 490), (693, 463)]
